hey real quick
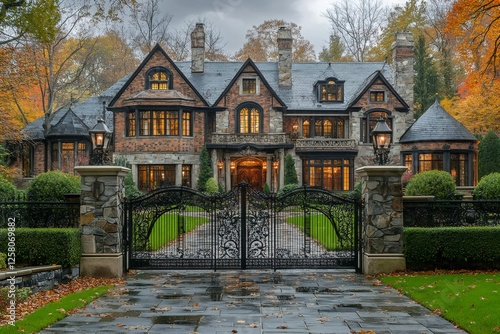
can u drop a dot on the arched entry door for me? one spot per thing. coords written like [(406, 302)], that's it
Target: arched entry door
[(250, 170)]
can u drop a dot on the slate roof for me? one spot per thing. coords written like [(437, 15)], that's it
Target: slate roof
[(87, 112), (210, 84), (436, 125), (69, 125), (301, 95)]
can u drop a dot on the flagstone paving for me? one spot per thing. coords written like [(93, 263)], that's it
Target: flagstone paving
[(264, 301)]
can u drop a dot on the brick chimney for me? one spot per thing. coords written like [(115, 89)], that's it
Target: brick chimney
[(198, 49), (402, 63), (285, 42)]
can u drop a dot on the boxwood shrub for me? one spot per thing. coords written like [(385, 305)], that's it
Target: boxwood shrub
[(45, 246), (452, 248), (432, 183), (8, 191), (52, 186)]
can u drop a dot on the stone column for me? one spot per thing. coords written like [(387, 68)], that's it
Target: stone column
[(178, 174), (269, 171), (281, 169), (227, 172), (101, 220), (382, 228)]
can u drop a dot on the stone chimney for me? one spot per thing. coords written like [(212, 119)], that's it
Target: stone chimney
[(402, 63), (285, 42), (198, 49)]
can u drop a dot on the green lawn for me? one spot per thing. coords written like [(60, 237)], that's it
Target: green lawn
[(166, 228), (470, 301), (55, 311), (321, 230)]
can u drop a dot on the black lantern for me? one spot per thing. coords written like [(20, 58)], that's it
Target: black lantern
[(101, 136), (381, 138)]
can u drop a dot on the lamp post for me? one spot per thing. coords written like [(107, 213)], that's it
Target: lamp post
[(381, 138), (100, 135)]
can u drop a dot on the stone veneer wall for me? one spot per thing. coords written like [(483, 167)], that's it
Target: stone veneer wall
[(101, 213), (382, 226)]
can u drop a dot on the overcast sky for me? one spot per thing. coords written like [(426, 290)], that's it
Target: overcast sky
[(234, 17)]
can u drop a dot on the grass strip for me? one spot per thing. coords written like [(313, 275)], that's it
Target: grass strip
[(167, 229), (55, 311), (320, 229), (467, 300)]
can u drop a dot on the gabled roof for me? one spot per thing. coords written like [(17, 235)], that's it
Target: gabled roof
[(436, 124), (250, 63), (157, 48), (370, 80), (69, 125)]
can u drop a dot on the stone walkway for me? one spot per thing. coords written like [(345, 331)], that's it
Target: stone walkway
[(291, 301)]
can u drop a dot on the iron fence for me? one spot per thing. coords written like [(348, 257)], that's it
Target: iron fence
[(35, 214), (448, 213)]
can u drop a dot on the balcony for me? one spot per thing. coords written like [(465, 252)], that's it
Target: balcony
[(249, 138), (306, 144)]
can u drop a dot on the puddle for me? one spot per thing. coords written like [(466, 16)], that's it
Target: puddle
[(175, 296), (132, 293), (110, 316), (178, 320), (215, 293), (356, 306), (244, 292), (285, 297)]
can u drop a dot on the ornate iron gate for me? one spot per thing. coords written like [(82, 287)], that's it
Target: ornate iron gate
[(180, 227)]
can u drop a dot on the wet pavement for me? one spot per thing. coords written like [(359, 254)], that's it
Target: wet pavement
[(264, 301)]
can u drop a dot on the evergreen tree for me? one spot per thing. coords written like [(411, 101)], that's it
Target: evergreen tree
[(206, 171), (290, 172), (489, 154), (426, 78)]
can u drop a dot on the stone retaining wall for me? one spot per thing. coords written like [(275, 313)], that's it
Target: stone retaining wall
[(39, 278)]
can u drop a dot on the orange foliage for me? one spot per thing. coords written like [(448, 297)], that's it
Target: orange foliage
[(476, 25)]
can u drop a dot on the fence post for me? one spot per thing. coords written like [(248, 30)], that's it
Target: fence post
[(101, 220), (382, 225)]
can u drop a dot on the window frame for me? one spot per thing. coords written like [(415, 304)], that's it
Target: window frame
[(337, 125), (242, 86), (154, 70), (318, 166), (376, 93), (250, 120), (323, 87), (159, 123)]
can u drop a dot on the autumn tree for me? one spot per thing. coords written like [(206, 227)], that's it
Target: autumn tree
[(476, 26), (262, 44), (358, 23), (426, 78), (335, 52), (409, 17)]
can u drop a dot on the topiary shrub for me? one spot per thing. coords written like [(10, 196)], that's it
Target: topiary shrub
[(211, 186), (206, 171), (3, 264), (8, 190), (266, 189), (52, 186), (290, 172), (488, 187), (432, 183)]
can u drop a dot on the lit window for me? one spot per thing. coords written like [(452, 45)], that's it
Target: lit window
[(131, 124), (324, 127), (368, 124), (186, 123), (249, 118), (330, 174), (158, 80), (331, 91), (377, 96)]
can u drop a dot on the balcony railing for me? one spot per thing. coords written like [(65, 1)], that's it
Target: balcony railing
[(324, 143), (254, 138)]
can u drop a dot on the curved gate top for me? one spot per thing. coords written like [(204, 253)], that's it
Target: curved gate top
[(183, 228)]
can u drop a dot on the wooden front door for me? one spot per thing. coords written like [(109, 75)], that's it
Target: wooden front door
[(251, 175)]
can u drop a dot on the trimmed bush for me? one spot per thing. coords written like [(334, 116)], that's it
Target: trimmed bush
[(131, 189), (290, 172), (432, 183), (206, 171), (488, 187), (3, 264), (8, 191), (45, 246), (211, 186), (452, 248), (52, 186)]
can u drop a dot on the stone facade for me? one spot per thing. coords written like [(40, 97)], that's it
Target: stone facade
[(382, 226), (101, 220)]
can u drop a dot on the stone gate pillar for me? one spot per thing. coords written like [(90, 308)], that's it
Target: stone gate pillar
[(382, 226), (101, 219)]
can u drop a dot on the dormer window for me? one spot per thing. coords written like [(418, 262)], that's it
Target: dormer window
[(330, 90), (158, 78)]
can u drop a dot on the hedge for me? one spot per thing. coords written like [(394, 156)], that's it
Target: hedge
[(452, 248), (44, 246)]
